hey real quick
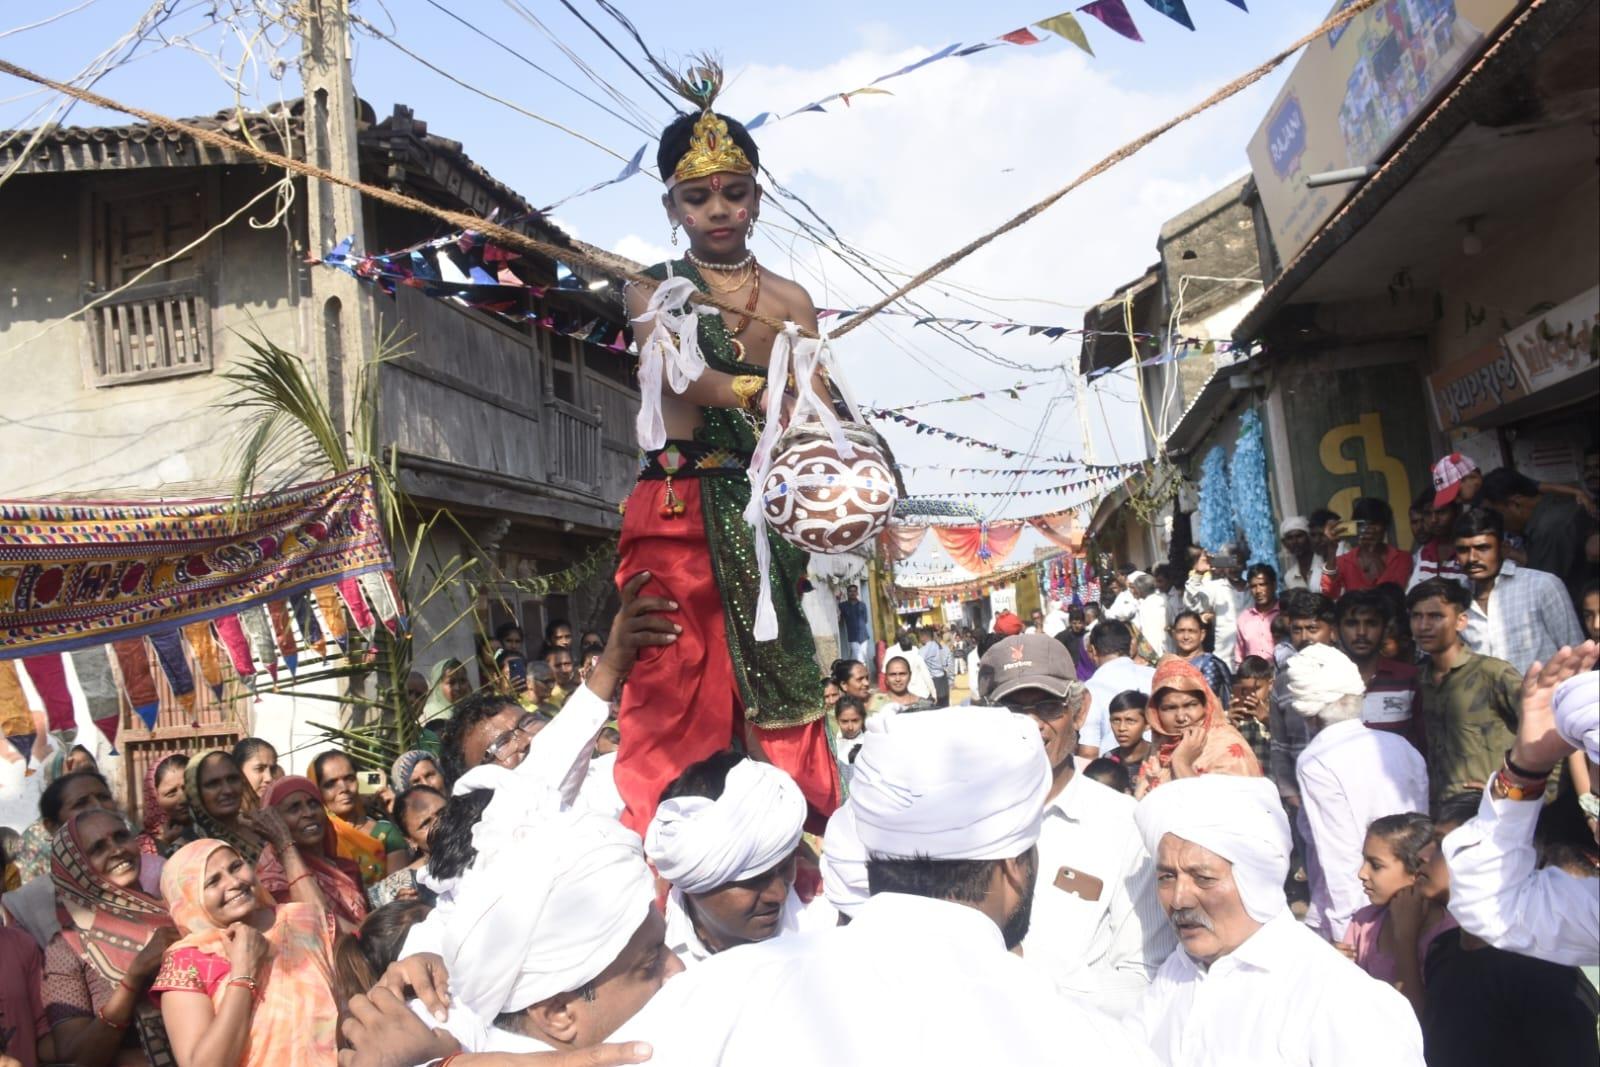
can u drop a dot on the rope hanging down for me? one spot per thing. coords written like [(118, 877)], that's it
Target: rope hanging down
[(618, 267)]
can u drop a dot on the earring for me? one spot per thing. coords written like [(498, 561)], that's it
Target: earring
[(674, 235), (750, 230)]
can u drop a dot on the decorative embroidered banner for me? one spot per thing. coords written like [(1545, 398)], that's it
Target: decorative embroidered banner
[(74, 574)]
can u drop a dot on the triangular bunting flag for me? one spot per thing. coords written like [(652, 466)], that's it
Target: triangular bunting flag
[(1066, 26), (1239, 4), (258, 626), (169, 654), (360, 613), (1114, 15), (48, 673), (232, 635), (1022, 36), (332, 609), (305, 616), (207, 655), (283, 630), (1174, 10), (380, 594)]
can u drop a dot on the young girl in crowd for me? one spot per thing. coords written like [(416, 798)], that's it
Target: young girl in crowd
[(415, 812), (1389, 938), (850, 713), (376, 846), (165, 807), (258, 762), (250, 983)]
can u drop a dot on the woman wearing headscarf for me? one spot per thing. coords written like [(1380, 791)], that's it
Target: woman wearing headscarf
[(164, 807), (415, 768), (98, 969), (33, 854), (250, 984), (447, 685), (299, 801), (376, 846), (1191, 734), (215, 789)]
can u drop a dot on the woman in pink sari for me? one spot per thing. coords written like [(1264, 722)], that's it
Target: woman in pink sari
[(299, 801), (1191, 734), (251, 982)]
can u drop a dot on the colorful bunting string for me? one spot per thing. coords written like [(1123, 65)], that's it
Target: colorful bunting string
[(1053, 333), (1009, 391)]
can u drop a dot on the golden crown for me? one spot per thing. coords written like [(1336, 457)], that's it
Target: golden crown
[(711, 151)]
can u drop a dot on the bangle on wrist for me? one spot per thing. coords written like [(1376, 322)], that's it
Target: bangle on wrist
[(748, 389), (1504, 786), (100, 1013), (247, 982), (1526, 775)]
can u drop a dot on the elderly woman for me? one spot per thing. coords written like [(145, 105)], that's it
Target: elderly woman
[(215, 788), (165, 807), (375, 846), (415, 768), (299, 801), (1191, 734), (250, 983), (98, 969)]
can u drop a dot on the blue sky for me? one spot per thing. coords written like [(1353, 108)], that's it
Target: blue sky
[(961, 145)]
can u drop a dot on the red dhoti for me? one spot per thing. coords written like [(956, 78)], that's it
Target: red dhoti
[(682, 701)]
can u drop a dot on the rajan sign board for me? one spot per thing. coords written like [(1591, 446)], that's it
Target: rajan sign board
[(1351, 97)]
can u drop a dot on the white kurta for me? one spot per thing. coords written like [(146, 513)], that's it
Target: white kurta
[(909, 981), (1285, 997), (687, 946), (1496, 894), (1349, 775), (1152, 621), (1110, 678), (1104, 950)]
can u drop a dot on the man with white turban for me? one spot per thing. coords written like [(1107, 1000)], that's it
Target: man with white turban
[(947, 804), (844, 865), (1349, 774), (1495, 891), (1250, 984), (724, 836)]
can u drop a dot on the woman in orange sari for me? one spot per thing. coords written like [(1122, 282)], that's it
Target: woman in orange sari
[(251, 982), (1192, 735), (299, 801)]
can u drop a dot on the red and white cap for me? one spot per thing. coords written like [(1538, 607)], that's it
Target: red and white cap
[(1447, 475)]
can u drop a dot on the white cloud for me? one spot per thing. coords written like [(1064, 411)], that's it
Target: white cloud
[(640, 249)]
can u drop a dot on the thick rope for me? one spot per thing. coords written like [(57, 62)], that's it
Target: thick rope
[(1232, 88), (626, 270)]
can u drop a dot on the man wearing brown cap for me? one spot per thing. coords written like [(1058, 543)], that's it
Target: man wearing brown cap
[(1098, 930)]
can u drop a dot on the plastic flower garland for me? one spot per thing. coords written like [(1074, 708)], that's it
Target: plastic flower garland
[(1251, 499), (1215, 527)]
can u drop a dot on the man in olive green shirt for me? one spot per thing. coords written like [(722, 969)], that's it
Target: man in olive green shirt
[(1469, 702)]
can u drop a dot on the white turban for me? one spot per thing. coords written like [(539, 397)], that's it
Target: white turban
[(951, 784), (1577, 708), (1294, 524), (844, 862), (546, 916), (1318, 675), (699, 844), (1240, 819)]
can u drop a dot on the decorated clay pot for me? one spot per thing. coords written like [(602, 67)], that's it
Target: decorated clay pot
[(820, 502)]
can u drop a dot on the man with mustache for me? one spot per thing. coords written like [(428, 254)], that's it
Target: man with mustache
[(1517, 614), (1239, 989)]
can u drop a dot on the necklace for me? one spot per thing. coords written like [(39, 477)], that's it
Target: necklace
[(726, 268), (728, 284)]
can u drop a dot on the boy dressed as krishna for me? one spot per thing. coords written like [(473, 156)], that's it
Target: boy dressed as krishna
[(716, 686)]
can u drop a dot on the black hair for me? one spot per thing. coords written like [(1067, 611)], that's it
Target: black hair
[(705, 778), (321, 761), (249, 746), (1195, 552), (178, 760), (1407, 834), (505, 629), (1111, 638), (1254, 667), (552, 626), (1304, 604), (840, 673), (1590, 587), (1186, 613), (450, 849), (1423, 501), (850, 702), (675, 142), (1363, 600), (1162, 570), (1475, 522), (469, 713), (1075, 613), (988, 641), (1373, 509), (1128, 700), (360, 959), (1321, 517), (1503, 483), (51, 800), (1126, 569), (1108, 772), (962, 881), (1452, 592), (402, 803), (1263, 570), (1456, 809)]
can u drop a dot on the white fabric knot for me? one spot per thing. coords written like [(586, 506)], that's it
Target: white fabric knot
[(669, 354), (1240, 819), (1577, 708), (699, 844)]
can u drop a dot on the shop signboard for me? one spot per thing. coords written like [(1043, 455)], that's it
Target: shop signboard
[(1472, 387), (1352, 95), (1355, 433), (1559, 344), (1003, 599)]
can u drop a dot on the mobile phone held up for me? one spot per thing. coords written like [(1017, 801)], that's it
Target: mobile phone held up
[(369, 783)]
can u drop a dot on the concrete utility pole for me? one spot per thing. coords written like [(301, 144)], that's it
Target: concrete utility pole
[(340, 319)]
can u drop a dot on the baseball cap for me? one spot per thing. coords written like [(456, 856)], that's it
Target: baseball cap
[(1008, 623), (1447, 475), (1027, 661)]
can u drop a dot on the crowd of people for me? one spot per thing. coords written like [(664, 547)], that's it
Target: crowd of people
[(1347, 813)]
